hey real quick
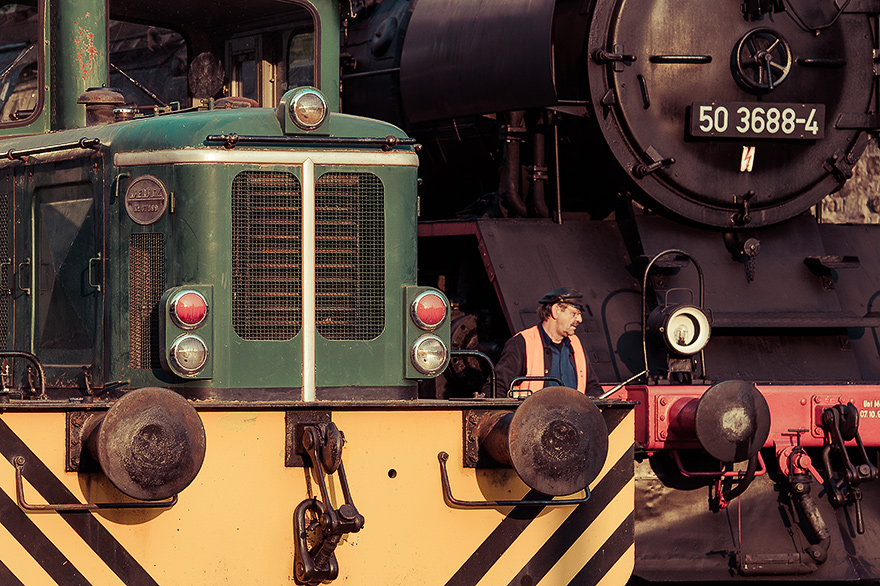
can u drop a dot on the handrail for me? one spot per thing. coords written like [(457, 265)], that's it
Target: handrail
[(33, 360), (762, 469), (480, 355), (19, 462), (83, 143), (386, 142), (447, 494)]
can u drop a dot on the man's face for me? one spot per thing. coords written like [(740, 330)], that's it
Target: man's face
[(567, 318)]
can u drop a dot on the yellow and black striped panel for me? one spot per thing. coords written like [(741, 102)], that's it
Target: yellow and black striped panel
[(34, 541), (593, 545), (233, 524)]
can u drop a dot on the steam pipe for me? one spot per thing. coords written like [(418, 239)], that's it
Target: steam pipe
[(539, 175), (558, 180), (509, 180)]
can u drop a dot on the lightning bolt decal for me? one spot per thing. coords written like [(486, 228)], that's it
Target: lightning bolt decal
[(748, 159)]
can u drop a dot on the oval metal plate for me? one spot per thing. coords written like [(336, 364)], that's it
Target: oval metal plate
[(146, 200)]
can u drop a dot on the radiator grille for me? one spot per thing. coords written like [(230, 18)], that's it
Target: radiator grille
[(146, 283), (266, 255), (350, 256)]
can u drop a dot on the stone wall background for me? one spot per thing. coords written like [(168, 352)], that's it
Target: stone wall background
[(858, 202)]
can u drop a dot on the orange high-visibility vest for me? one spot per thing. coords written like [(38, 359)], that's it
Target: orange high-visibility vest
[(535, 360)]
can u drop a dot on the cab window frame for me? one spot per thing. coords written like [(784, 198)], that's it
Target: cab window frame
[(38, 46), (271, 48)]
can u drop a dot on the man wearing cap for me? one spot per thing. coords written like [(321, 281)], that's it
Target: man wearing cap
[(550, 349)]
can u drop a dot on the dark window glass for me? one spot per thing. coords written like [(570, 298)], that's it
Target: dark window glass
[(148, 64), (19, 62), (301, 60)]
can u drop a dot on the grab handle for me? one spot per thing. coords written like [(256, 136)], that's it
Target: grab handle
[(19, 462), (97, 285), (447, 493), (27, 290)]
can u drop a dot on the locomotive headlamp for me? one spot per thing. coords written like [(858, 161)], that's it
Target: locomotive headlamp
[(429, 355), (183, 311), (684, 329), (425, 310), (428, 310), (188, 354), (308, 109), (188, 310)]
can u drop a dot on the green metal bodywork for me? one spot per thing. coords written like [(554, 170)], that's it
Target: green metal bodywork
[(68, 233)]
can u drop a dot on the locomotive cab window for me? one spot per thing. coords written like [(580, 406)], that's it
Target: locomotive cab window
[(246, 59), (263, 66), (255, 50), (20, 63), (148, 63), (301, 59)]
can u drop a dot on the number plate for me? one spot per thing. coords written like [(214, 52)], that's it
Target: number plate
[(757, 120)]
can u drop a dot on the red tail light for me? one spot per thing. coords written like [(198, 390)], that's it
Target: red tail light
[(429, 310), (189, 310)]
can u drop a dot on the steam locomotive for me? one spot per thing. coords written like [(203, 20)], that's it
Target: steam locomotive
[(213, 333), (670, 160)]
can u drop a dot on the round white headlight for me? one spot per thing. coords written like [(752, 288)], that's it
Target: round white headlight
[(308, 109), (685, 329), (429, 355), (188, 354)]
